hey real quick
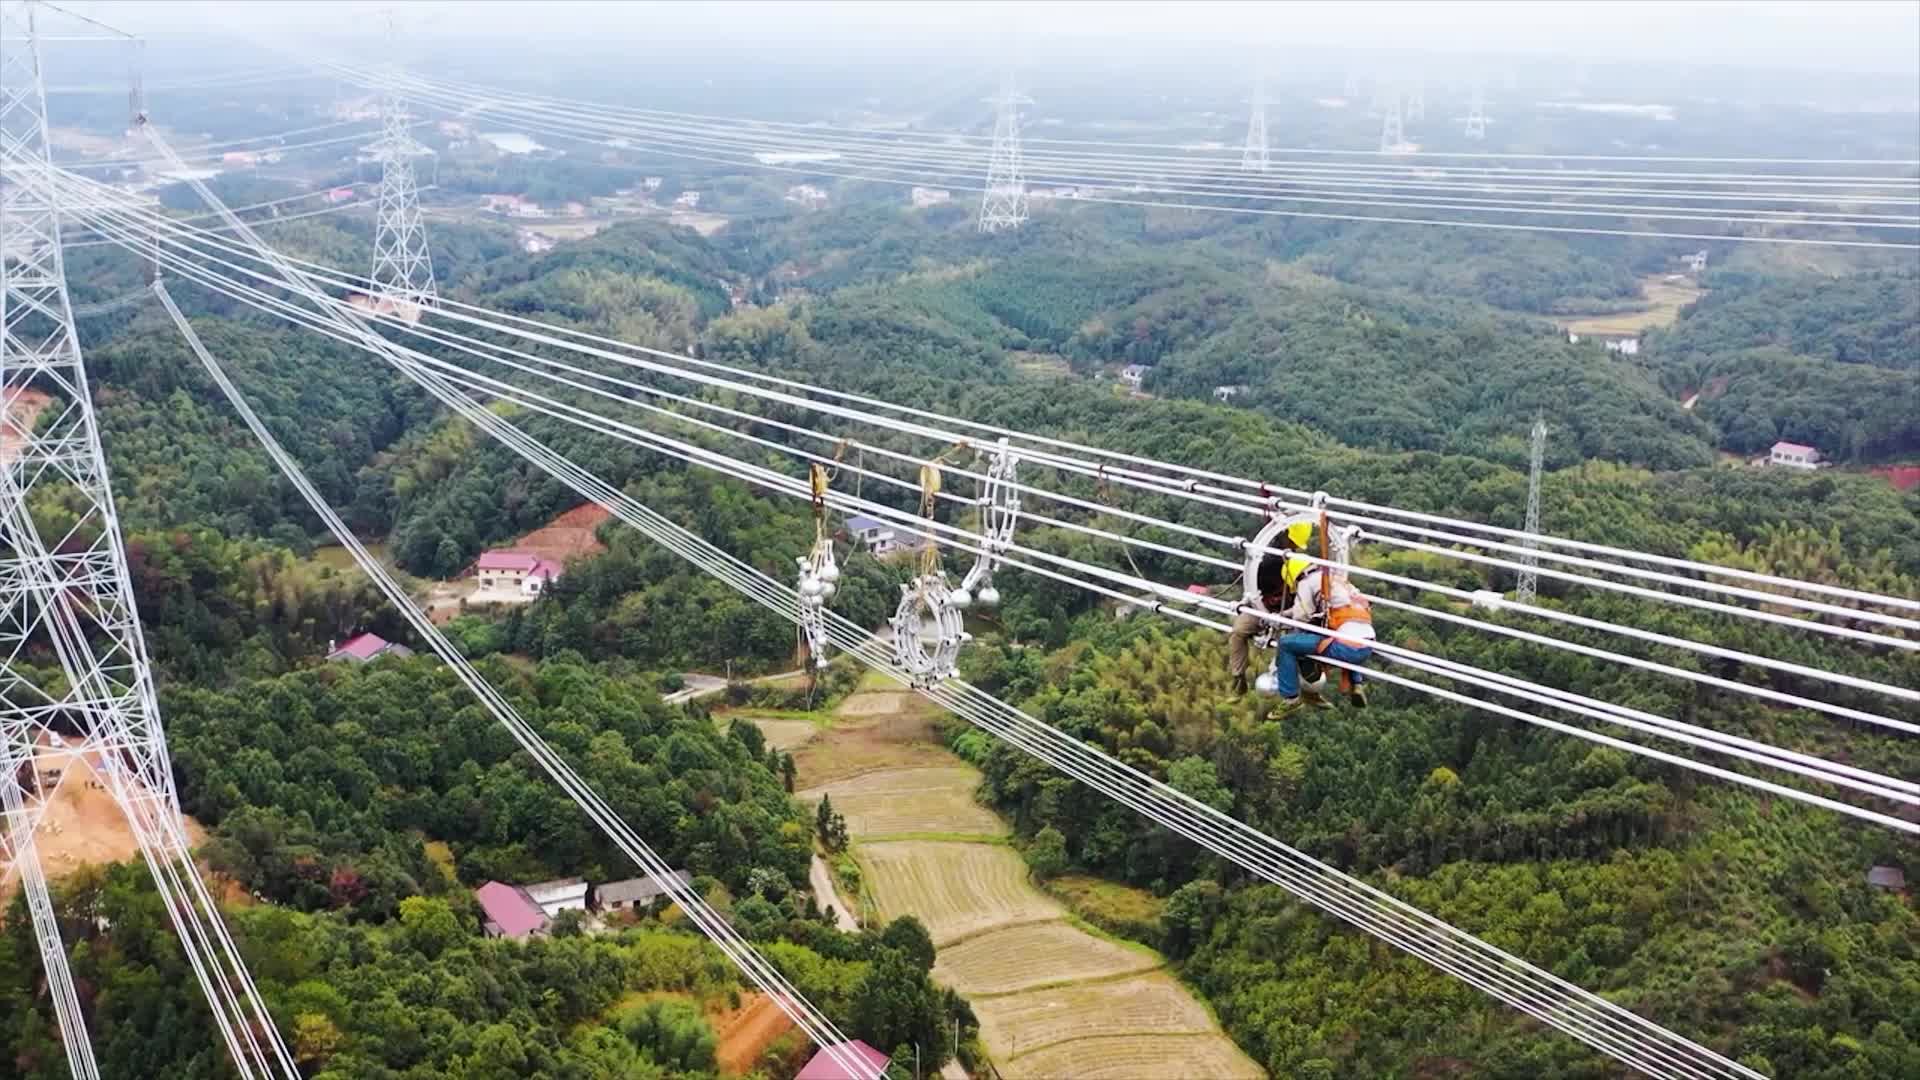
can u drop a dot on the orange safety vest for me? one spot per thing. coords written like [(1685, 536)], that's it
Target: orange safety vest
[(1355, 610)]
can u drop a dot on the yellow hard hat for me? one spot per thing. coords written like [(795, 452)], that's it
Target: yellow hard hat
[(1291, 571), (1300, 532)]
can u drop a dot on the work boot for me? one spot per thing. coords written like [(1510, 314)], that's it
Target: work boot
[(1285, 707), (1358, 695), (1312, 693), (1240, 683)]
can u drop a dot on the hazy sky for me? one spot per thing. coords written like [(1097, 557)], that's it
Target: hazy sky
[(1848, 35)]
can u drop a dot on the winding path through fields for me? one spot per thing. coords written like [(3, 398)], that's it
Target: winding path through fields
[(1053, 1000)]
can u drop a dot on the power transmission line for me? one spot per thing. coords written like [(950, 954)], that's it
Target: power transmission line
[(1605, 1026), (1514, 685)]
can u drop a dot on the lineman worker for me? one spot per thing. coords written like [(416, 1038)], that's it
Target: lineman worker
[(1276, 592), (1348, 637)]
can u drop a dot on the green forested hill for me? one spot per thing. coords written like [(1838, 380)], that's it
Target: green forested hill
[(1389, 372), (1869, 318), (1525, 272), (1830, 362)]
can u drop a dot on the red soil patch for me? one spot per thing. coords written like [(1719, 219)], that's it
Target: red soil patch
[(23, 405), (566, 536), (746, 1032), (1902, 477)]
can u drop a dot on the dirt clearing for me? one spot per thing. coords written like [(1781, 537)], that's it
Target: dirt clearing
[(23, 406), (82, 825), (745, 1033), (567, 536)]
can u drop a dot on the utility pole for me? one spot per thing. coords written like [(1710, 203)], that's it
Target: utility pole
[(1003, 205), (1254, 157), (1529, 578), (402, 268), (1477, 112), (1393, 134)]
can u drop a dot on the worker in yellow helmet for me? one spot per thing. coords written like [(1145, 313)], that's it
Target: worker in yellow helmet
[(1324, 598), (1275, 583)]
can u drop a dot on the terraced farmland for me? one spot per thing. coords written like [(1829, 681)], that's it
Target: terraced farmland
[(956, 888), (1153, 1003), (1053, 1000), (786, 734), (1133, 1057), (1040, 954), (895, 801)]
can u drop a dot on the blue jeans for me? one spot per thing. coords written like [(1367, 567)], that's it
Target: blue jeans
[(1286, 661)]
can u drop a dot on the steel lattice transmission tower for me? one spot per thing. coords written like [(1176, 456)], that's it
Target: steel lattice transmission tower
[(1529, 578), (1477, 113), (76, 687), (1254, 158), (1393, 135), (1417, 101), (1003, 205), (402, 267)]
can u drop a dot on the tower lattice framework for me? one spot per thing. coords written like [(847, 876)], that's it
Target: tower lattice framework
[(1530, 577), (76, 685), (1003, 205), (402, 266), (1254, 158)]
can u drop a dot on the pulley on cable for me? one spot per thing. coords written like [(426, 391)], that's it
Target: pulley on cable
[(819, 575), (1000, 511), (1285, 532), (928, 629)]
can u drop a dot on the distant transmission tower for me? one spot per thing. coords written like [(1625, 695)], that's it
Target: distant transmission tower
[(1477, 113), (402, 268), (1417, 101), (1393, 134), (1254, 158), (1004, 203), (1530, 578)]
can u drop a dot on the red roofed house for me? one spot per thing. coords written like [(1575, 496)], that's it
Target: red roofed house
[(364, 647), (520, 570), (510, 912), (1793, 456), (339, 195), (823, 1067)]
